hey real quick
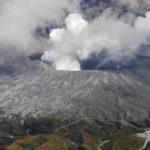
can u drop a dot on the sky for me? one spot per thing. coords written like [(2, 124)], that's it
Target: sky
[(67, 33)]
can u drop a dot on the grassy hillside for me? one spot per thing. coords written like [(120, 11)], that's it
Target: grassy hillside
[(42, 142), (70, 134)]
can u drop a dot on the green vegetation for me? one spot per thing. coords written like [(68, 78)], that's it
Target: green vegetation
[(124, 143), (4, 140), (125, 139), (42, 142), (51, 133)]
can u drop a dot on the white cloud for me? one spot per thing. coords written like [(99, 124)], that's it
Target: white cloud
[(75, 23), (81, 38), (135, 5), (19, 19), (56, 35)]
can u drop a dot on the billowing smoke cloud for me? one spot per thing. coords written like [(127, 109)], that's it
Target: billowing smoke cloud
[(20, 18), (134, 5), (67, 44), (75, 36), (80, 38)]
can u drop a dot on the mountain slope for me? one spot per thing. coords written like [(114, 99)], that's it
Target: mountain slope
[(35, 88)]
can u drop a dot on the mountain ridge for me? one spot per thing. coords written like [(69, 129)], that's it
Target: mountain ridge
[(101, 94)]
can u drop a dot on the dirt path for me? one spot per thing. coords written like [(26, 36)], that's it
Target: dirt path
[(102, 143), (70, 124)]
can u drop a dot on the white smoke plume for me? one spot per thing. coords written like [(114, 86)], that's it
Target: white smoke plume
[(80, 38), (20, 18), (76, 38), (67, 44), (134, 5)]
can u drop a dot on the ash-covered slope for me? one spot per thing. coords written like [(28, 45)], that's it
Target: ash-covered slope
[(33, 87)]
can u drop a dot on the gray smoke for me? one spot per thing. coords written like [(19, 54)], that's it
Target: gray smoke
[(80, 38), (75, 37), (20, 18), (134, 5)]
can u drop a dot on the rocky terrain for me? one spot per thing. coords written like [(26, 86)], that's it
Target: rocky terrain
[(31, 86), (42, 108)]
